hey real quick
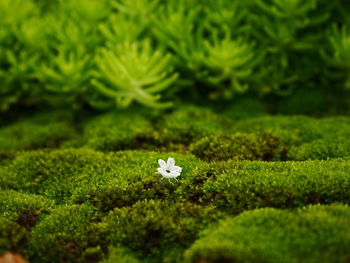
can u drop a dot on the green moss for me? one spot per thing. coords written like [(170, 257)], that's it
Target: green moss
[(238, 186), (80, 175), (123, 192), (307, 138), (62, 236), (46, 130), (116, 130), (23, 208), (7, 155), (120, 255), (188, 124), (293, 130), (53, 174), (313, 234), (240, 146), (296, 130), (13, 237), (115, 180), (77, 203), (321, 149), (92, 254), (135, 181), (159, 230), (175, 131)]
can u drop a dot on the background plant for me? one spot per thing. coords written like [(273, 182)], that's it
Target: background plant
[(55, 52)]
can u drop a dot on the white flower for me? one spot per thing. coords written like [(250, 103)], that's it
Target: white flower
[(169, 169)]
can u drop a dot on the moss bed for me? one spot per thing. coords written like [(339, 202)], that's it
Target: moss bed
[(83, 188)]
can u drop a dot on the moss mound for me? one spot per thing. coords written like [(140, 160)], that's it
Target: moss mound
[(240, 146), (29, 135), (23, 208), (52, 174), (312, 234), (120, 255), (12, 236), (189, 124), (158, 230), (238, 186), (62, 236), (116, 131)]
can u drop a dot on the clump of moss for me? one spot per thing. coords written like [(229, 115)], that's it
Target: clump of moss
[(116, 130), (116, 180), (62, 236), (7, 155), (135, 181), (92, 254), (296, 130), (23, 208), (106, 180), (159, 230), (238, 186), (240, 146), (13, 237), (312, 234), (188, 124), (120, 255), (28, 135), (53, 174), (124, 192), (293, 130), (321, 149)]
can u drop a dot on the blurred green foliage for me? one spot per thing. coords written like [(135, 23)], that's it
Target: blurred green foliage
[(105, 53)]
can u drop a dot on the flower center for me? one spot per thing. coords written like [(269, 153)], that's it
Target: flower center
[(167, 170)]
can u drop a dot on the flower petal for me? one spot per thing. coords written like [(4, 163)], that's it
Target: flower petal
[(177, 169), (162, 163), (161, 171), (166, 175), (170, 163), (174, 174)]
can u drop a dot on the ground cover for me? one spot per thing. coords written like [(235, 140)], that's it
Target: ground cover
[(251, 190)]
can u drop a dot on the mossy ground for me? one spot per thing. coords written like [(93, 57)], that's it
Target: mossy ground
[(261, 188)]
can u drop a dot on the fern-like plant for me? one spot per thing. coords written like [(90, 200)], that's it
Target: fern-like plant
[(18, 57), (338, 54), (206, 48), (218, 47), (229, 63), (289, 31), (140, 11), (67, 72), (133, 71), (227, 15), (88, 11), (119, 28)]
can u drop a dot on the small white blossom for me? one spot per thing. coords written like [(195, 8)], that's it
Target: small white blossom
[(169, 169)]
